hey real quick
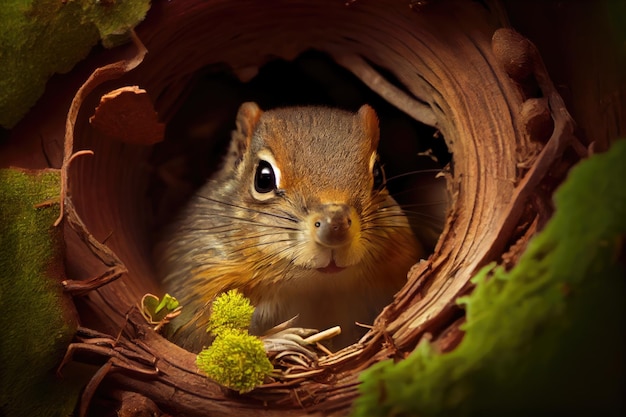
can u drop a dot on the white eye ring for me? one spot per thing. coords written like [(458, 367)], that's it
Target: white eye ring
[(267, 177)]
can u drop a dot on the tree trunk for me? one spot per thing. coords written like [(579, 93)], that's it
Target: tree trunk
[(453, 65)]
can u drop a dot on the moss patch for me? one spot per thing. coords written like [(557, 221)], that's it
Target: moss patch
[(37, 320), (545, 338), (41, 37), (235, 359)]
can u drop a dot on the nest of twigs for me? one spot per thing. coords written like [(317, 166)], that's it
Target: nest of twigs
[(485, 89)]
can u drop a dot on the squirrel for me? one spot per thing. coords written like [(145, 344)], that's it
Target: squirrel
[(298, 219)]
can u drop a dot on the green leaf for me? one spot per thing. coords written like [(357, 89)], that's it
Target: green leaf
[(545, 338), (168, 303)]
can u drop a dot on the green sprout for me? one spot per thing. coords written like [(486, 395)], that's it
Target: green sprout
[(235, 359), (159, 311), (168, 303)]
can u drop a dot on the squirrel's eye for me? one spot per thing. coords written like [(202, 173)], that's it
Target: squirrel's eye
[(264, 178), (379, 175)]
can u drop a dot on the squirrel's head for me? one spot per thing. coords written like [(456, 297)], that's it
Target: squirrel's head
[(318, 166), (327, 155)]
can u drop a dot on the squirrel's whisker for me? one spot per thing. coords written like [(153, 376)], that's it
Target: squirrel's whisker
[(427, 204), (415, 172), (260, 244), (246, 222), (291, 219), (250, 220)]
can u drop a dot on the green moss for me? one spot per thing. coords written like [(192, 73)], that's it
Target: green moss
[(545, 338), (236, 360), (41, 37), (37, 320), (230, 311)]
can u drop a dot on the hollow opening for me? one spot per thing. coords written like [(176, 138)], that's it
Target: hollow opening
[(199, 132)]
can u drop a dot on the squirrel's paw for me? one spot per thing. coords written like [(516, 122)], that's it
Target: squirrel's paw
[(284, 339)]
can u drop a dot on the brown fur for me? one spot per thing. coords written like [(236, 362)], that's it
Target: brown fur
[(229, 236)]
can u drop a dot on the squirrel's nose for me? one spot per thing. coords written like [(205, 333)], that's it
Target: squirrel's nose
[(332, 225)]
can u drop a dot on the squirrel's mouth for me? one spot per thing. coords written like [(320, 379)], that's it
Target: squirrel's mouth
[(331, 268)]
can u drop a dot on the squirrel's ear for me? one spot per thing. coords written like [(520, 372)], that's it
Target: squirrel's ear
[(370, 124), (247, 119)]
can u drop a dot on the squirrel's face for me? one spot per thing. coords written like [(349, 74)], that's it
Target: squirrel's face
[(315, 175)]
